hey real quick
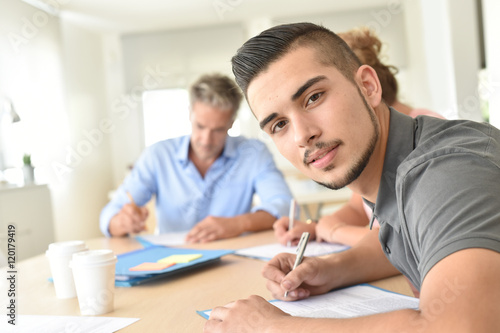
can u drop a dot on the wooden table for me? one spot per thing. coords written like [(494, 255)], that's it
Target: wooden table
[(170, 304)]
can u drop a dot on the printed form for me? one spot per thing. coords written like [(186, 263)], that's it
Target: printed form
[(361, 300)]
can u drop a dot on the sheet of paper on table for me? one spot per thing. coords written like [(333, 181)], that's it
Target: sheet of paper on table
[(360, 300), (50, 324), (314, 249)]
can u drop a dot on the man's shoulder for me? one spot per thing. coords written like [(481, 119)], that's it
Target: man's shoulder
[(242, 143), (458, 136), (171, 143), (447, 146), (168, 147)]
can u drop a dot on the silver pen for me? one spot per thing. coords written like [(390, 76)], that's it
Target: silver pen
[(291, 217), (301, 248)]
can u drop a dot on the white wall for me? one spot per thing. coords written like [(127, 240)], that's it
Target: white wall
[(86, 181), (491, 13), (52, 71), (443, 49), (31, 74)]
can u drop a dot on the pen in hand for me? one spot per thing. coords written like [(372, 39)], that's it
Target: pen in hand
[(131, 199), (132, 202), (291, 217), (300, 252)]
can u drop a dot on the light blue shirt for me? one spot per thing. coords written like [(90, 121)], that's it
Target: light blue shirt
[(184, 198)]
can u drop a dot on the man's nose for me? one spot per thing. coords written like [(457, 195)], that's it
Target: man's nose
[(305, 131)]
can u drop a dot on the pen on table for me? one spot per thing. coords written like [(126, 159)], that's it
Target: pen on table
[(301, 248), (291, 217)]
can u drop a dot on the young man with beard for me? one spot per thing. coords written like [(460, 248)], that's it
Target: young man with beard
[(432, 184)]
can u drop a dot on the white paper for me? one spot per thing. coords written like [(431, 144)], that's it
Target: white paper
[(167, 239), (314, 249), (73, 324), (349, 302), (356, 301)]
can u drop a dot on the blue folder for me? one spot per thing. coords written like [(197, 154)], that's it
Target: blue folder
[(126, 278)]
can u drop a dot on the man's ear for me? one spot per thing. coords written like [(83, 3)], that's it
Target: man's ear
[(369, 84)]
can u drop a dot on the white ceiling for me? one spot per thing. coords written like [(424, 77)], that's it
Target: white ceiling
[(128, 16)]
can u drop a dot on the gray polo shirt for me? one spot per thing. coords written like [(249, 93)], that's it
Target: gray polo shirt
[(439, 192)]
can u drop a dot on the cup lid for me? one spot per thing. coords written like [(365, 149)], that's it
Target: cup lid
[(92, 257), (67, 247)]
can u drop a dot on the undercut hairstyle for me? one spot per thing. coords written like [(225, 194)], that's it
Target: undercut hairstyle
[(218, 91), (367, 46), (259, 52)]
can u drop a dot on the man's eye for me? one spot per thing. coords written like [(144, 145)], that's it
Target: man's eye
[(313, 98), (278, 126)]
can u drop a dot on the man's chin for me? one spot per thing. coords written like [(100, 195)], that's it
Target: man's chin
[(331, 186), (336, 183)]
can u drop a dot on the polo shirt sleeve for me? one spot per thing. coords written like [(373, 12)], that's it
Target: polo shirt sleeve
[(452, 201)]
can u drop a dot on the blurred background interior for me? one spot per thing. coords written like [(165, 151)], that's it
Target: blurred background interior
[(86, 85)]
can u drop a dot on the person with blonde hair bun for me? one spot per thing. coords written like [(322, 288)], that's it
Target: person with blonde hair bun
[(348, 224)]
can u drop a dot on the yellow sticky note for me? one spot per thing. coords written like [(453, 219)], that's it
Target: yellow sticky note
[(179, 258), (151, 266)]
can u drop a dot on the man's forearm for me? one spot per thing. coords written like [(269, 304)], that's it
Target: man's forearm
[(257, 221), (362, 263)]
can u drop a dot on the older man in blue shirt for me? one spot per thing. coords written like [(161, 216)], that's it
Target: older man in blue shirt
[(203, 182)]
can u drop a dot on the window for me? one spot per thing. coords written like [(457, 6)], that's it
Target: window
[(166, 115)]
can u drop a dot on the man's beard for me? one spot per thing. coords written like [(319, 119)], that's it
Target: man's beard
[(358, 167)]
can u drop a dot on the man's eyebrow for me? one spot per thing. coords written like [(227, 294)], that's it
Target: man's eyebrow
[(306, 86), (266, 120)]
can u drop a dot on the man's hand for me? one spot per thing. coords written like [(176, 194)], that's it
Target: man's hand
[(313, 276), (130, 219), (212, 228), (283, 235), (254, 314)]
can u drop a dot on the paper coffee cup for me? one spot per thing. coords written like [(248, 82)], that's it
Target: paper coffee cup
[(59, 255), (94, 275)]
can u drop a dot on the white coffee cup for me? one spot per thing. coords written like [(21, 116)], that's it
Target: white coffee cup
[(94, 274), (59, 255)]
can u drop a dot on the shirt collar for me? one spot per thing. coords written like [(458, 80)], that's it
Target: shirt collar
[(230, 147), (400, 144), (182, 152)]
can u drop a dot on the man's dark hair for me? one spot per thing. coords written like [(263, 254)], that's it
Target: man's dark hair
[(259, 52)]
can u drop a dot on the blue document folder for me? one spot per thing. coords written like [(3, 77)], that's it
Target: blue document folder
[(124, 277)]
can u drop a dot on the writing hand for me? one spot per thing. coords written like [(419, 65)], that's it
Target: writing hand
[(253, 314), (283, 235), (312, 277), (130, 219)]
